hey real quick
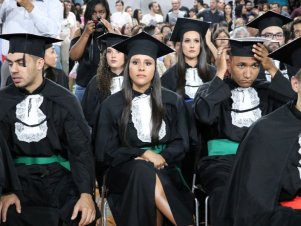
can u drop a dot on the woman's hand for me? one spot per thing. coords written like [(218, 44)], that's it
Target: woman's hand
[(157, 159), (89, 28), (109, 27)]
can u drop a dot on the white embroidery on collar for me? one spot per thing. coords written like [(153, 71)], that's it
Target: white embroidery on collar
[(28, 112), (193, 82), (141, 117), (244, 99)]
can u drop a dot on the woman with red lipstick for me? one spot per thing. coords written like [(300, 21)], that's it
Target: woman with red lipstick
[(142, 136), (191, 71)]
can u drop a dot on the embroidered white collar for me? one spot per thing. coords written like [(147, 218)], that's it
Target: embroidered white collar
[(141, 117), (245, 99), (32, 126)]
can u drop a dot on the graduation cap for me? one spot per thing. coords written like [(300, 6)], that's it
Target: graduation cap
[(109, 39), (269, 19), (28, 43), (144, 44), (243, 46), (184, 25), (289, 53)]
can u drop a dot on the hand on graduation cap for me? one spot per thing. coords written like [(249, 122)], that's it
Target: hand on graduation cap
[(261, 54), (5, 202), (221, 62), (157, 159), (86, 206)]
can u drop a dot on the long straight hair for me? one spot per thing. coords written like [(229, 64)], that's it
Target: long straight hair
[(156, 105), (202, 67)]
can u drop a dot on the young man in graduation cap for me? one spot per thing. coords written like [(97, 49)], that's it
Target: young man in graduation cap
[(49, 141), (265, 185), (270, 25), (227, 107)]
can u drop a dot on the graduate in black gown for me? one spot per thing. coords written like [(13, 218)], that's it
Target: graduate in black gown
[(186, 76), (108, 79), (227, 107), (49, 141), (142, 135), (265, 185)]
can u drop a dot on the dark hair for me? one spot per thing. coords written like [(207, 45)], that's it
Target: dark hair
[(135, 15), (296, 21), (119, 1), (150, 5), (202, 67), (91, 6), (217, 32), (150, 29), (156, 105)]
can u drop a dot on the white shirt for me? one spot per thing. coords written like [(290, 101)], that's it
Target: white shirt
[(121, 18), (45, 19), (148, 19)]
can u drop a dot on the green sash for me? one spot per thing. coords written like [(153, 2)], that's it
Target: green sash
[(222, 147), (43, 160)]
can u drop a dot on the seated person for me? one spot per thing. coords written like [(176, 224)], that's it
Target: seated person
[(265, 185), (142, 135), (227, 107)]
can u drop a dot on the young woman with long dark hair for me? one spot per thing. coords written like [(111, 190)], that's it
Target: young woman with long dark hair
[(191, 71), (142, 137)]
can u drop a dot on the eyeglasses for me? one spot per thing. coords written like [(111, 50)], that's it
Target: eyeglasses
[(273, 36)]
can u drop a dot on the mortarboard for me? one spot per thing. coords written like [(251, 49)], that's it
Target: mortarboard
[(243, 46), (28, 43), (144, 44), (289, 53), (269, 19), (110, 39), (184, 25)]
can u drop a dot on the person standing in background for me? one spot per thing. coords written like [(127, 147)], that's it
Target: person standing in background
[(27, 16)]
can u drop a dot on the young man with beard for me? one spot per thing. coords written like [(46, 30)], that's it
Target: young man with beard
[(270, 25), (49, 141), (225, 108)]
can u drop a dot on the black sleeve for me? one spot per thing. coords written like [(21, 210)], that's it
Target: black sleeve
[(281, 89), (208, 100), (179, 142), (80, 154), (107, 143)]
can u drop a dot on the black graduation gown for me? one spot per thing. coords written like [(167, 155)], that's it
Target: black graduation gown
[(212, 107), (49, 185), (169, 80), (265, 172), (8, 174), (131, 182), (58, 76)]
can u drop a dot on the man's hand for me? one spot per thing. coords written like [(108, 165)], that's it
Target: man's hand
[(261, 54), (221, 62), (85, 205), (27, 4), (5, 202)]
